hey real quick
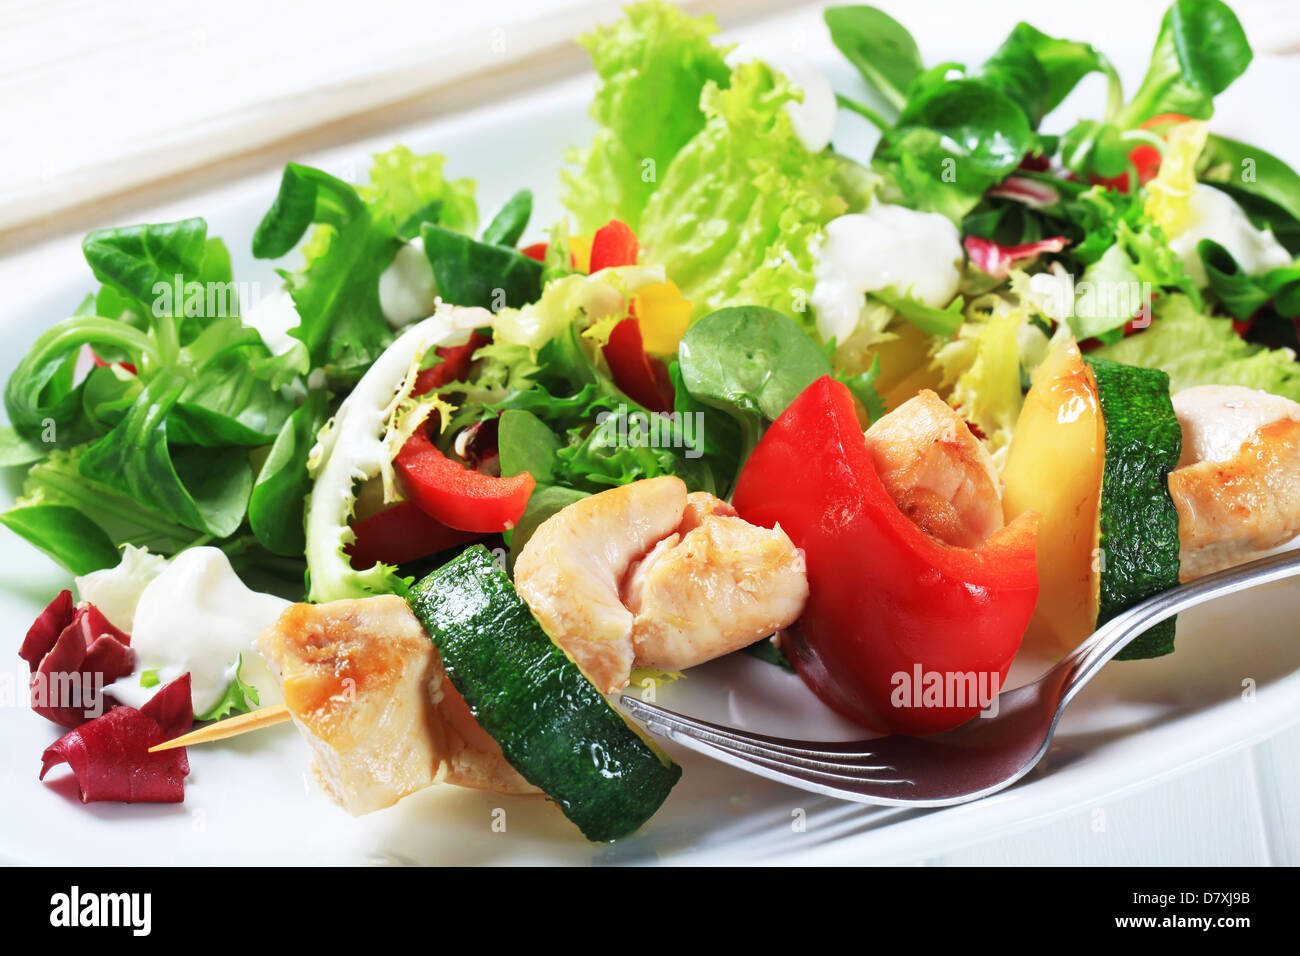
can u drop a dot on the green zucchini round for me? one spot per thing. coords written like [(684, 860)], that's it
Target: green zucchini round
[(553, 725), (1139, 522)]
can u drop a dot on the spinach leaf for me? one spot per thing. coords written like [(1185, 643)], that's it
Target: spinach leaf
[(17, 450), (65, 534), (508, 225), (141, 261), (954, 139), (1200, 50), (57, 480), (751, 362), (41, 393), (475, 273), (525, 443), (275, 507), (1038, 71), (879, 46)]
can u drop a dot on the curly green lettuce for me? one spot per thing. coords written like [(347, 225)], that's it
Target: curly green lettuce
[(653, 64), (1198, 349), (359, 444), (742, 207)]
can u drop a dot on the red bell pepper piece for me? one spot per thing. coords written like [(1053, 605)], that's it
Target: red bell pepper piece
[(536, 251), (614, 244), (1144, 157), (402, 533), (454, 366), (458, 497), (634, 371), (890, 607)]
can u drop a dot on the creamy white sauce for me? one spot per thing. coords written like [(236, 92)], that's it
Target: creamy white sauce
[(814, 118), (116, 591), (1215, 215), (917, 254), (407, 290), (198, 617), (1217, 420), (274, 317)]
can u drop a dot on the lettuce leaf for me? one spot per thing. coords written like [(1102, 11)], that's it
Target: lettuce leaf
[(358, 231), (1197, 349), (741, 208), (653, 65), (980, 368)]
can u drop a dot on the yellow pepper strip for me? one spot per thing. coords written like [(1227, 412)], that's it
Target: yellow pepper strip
[(664, 314), (580, 249)]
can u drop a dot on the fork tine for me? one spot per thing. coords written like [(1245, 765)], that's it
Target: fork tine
[(774, 752), (856, 789)]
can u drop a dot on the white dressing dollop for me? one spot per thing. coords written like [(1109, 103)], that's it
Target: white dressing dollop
[(197, 616), (407, 290), (1213, 214), (116, 591), (917, 254), (273, 317), (814, 118)]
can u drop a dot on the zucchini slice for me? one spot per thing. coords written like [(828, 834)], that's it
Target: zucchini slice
[(553, 725), (1139, 522)]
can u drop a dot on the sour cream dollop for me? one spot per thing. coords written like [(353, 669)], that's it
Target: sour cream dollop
[(273, 317), (1215, 215), (198, 616), (407, 290), (918, 254)]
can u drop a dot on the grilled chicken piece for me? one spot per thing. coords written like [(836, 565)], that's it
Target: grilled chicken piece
[(1237, 487), (366, 688), (645, 574), (938, 473)]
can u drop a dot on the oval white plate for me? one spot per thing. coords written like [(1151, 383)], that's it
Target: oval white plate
[(250, 801)]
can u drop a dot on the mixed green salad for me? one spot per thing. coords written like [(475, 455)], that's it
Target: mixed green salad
[(423, 382)]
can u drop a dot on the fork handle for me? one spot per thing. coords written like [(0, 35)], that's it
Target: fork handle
[(1125, 627)]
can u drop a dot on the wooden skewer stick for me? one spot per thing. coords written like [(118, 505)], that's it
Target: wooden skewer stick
[(232, 727)]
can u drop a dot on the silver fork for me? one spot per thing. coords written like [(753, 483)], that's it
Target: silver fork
[(982, 756)]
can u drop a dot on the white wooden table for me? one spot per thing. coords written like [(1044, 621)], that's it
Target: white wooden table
[(110, 108)]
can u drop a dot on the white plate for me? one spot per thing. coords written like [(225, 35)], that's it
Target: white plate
[(250, 801)]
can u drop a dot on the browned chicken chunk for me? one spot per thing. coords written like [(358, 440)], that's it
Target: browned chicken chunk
[(366, 688)]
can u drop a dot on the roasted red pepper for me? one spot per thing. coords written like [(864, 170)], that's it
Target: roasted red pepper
[(1144, 157), (402, 533), (456, 496), (634, 371), (454, 366), (614, 244), (890, 607)]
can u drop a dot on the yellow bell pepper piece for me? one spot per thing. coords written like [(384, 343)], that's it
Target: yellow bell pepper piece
[(664, 315)]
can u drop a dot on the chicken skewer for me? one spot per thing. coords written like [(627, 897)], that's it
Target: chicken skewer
[(616, 583), (621, 581)]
